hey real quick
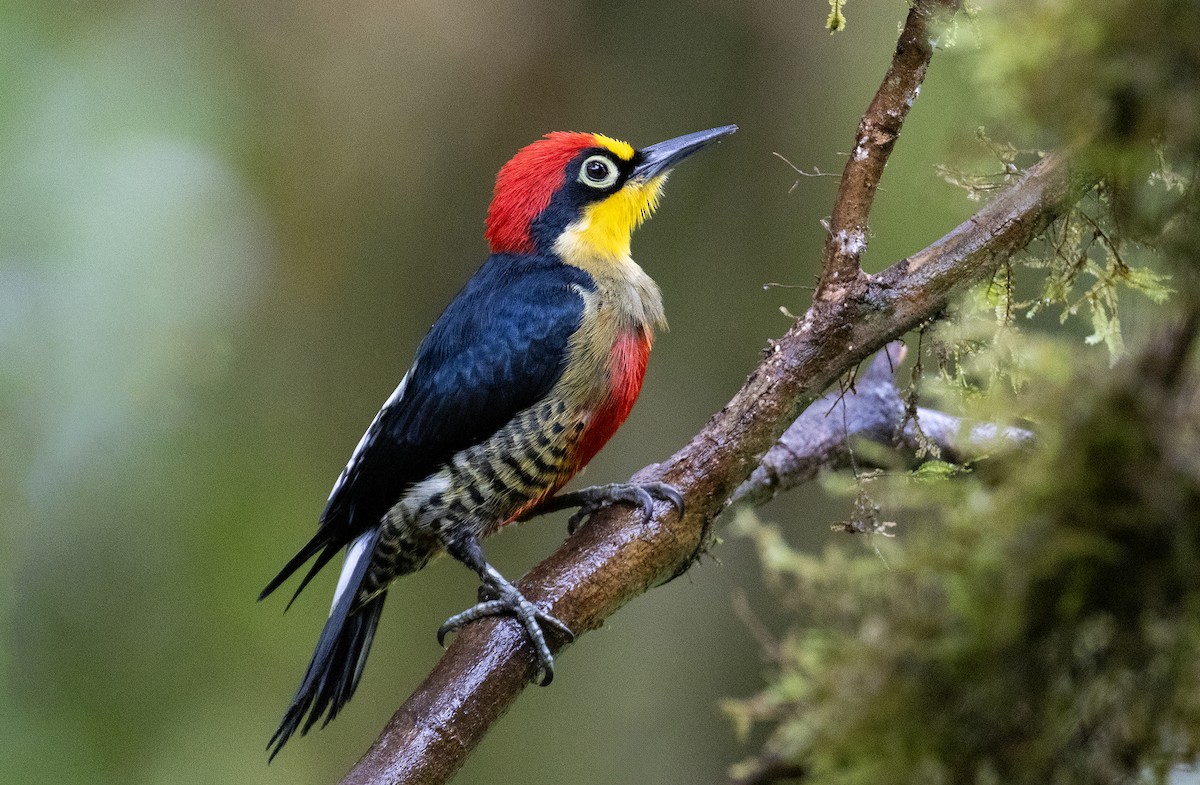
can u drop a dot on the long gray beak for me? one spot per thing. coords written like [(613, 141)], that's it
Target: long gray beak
[(659, 158)]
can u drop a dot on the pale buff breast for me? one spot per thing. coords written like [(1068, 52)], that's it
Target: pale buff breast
[(625, 301)]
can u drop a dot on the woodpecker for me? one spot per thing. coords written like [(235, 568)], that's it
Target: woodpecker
[(522, 379)]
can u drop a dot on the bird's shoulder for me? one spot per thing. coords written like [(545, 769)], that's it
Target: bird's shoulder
[(499, 347), (508, 328), (511, 286)]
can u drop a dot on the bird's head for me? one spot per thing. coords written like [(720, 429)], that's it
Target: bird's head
[(582, 194)]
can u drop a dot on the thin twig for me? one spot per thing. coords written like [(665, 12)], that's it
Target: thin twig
[(877, 134), (814, 173)]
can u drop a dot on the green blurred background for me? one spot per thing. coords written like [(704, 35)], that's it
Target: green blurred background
[(224, 227)]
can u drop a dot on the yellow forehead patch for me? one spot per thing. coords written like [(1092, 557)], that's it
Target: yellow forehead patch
[(622, 150)]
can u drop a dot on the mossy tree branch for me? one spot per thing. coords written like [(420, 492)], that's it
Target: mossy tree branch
[(871, 408)]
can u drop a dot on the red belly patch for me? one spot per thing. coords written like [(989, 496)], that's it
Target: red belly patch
[(627, 368)]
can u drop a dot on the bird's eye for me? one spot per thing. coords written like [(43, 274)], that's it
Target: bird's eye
[(598, 172)]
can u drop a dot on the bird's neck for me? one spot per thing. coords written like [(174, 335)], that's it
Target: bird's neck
[(624, 286), (621, 313)]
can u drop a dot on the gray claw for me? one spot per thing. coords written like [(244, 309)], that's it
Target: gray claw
[(592, 500), (579, 516), (671, 494), (530, 617), (477, 611)]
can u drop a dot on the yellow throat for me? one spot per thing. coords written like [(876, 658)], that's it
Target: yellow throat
[(605, 228)]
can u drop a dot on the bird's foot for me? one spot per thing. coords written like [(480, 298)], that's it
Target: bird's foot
[(592, 500), (508, 600)]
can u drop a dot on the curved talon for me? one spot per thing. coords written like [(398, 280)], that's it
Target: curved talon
[(671, 494), (557, 624), (592, 500), (527, 614), (477, 611), (584, 512)]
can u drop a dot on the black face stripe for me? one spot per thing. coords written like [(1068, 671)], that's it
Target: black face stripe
[(569, 200), (597, 170), (624, 169)]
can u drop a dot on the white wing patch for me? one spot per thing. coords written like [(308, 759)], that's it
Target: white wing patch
[(356, 552), (370, 433)]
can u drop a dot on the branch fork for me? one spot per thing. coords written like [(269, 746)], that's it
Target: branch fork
[(847, 229)]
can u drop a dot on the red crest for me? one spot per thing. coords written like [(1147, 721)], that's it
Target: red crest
[(525, 186)]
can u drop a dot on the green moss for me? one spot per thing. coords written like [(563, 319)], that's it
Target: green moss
[(836, 22), (1124, 71), (1046, 629)]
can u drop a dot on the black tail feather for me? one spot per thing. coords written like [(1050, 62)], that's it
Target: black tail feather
[(332, 676), (321, 540), (326, 555), (337, 664)]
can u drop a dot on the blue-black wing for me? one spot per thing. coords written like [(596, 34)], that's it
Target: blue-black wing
[(497, 349)]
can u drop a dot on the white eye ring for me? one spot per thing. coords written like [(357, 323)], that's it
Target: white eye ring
[(598, 172)]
